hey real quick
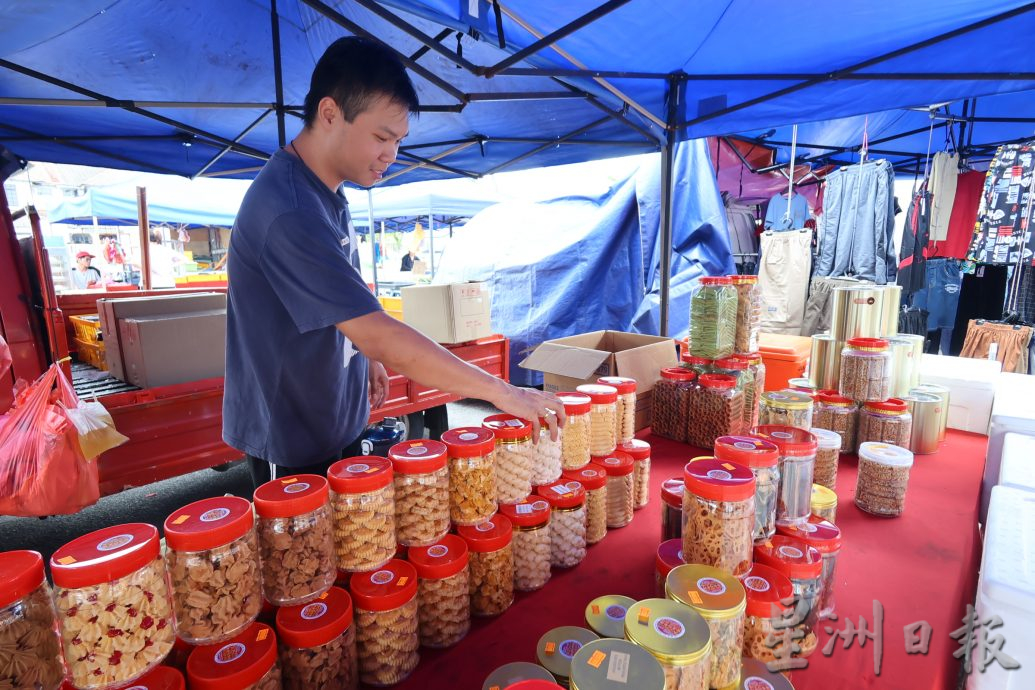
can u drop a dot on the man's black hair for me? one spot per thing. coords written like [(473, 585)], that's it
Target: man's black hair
[(355, 72)]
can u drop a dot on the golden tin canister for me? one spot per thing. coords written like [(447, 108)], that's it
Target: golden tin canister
[(611, 664), (559, 646), (943, 393), (677, 636), (825, 362), (606, 615), (857, 312), (891, 303), (926, 409)]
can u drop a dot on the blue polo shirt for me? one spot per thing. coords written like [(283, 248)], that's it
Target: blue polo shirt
[(296, 387)]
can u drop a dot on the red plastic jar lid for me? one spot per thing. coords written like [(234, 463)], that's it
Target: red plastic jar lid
[(889, 406), (208, 523), (486, 537), (534, 684), (445, 558), (591, 477), (669, 556), (235, 664), (622, 384), (749, 357), (792, 441), (507, 426), (734, 363), (678, 374), (716, 280), (21, 573), (105, 555), (533, 511), (575, 403), (718, 381), (822, 534), (719, 480), (743, 279), (766, 587), (749, 451), (158, 678), (469, 442), (637, 449), (599, 395), (868, 344), (290, 496), (617, 464), (695, 360), (672, 492), (417, 457), (834, 398), (563, 494), (360, 474), (791, 556), (386, 588), (315, 624)]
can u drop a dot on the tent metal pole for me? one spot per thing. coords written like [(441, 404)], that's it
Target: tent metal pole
[(436, 144), (278, 74), (119, 103), (429, 161), (543, 147), (578, 73), (525, 95), (431, 238), (668, 161), (90, 149), (429, 42), (441, 166), (226, 149), (438, 38), (370, 233)]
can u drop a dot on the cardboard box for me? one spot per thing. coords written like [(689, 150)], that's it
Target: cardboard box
[(454, 313), (174, 348), (570, 362), (112, 311)]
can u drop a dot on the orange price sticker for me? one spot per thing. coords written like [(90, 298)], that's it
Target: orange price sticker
[(324, 595), (263, 633), (644, 615), (180, 519), (696, 598), (597, 659), (402, 581), (289, 480), (729, 466), (495, 687), (67, 560), (550, 648)]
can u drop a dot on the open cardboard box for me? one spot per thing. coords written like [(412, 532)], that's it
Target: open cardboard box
[(578, 359)]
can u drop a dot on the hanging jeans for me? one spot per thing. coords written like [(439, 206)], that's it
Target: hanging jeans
[(941, 298), (783, 279)]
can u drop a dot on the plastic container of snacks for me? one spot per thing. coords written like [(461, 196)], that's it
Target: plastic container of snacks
[(749, 312), (672, 508), (866, 370), (515, 456), (825, 537), (567, 522), (387, 638), (769, 595), (246, 662), (716, 409), (671, 403), (713, 318), (824, 503), (575, 437), (828, 452), (532, 542), (363, 503), (508, 675), (786, 408), (625, 416), (472, 474), (719, 504), (639, 451), (669, 556), (837, 413), (620, 468), (421, 479), (803, 566), (883, 479), (443, 591), (797, 465), (762, 458), (593, 479), (318, 643), (28, 623), (603, 415), (885, 422), (492, 565), (547, 467)]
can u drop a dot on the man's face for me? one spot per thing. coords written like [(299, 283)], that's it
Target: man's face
[(84, 262), (366, 146)]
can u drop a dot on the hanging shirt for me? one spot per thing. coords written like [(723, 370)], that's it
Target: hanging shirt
[(1007, 208), (776, 217)]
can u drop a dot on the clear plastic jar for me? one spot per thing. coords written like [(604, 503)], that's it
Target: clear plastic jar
[(576, 433), (713, 318), (802, 384), (444, 592), (621, 486), (719, 504), (753, 393), (363, 504), (716, 409), (387, 639), (828, 453), (245, 662), (421, 492), (603, 418), (515, 672), (824, 503), (740, 368), (593, 479), (671, 403), (803, 566), (639, 451), (557, 647), (472, 474), (838, 414), (735, 367), (532, 542), (113, 605), (213, 561), (669, 556), (492, 565), (885, 422), (605, 615), (766, 589), (786, 408), (672, 509), (749, 313), (883, 479), (866, 370), (719, 598), (677, 636), (318, 644), (567, 522), (762, 458), (547, 467), (699, 365), (296, 539), (28, 624), (825, 537), (797, 463), (515, 457), (625, 414)]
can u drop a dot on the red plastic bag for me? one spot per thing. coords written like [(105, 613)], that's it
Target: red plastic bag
[(5, 357), (42, 468)]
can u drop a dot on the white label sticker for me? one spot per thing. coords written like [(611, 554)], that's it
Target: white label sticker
[(669, 627), (618, 667), (314, 611), (382, 577), (357, 468), (524, 509), (230, 652), (468, 437), (560, 489), (417, 450), (744, 445), (514, 423), (782, 434), (296, 488), (756, 584), (215, 514), (116, 542)]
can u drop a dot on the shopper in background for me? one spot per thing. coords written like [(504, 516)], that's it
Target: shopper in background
[(305, 337), (84, 276), (163, 262), (407, 261)]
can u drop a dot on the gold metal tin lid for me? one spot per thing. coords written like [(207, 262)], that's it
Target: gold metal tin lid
[(559, 646), (674, 633), (754, 675), (611, 664), (707, 590), (606, 615), (788, 400)]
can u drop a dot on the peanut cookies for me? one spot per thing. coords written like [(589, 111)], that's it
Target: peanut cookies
[(30, 654), (603, 415), (363, 505), (516, 457)]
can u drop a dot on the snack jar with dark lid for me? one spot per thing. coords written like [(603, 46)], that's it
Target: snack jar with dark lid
[(625, 416), (112, 582), (606, 615), (515, 672), (672, 508), (803, 565), (719, 505), (492, 565), (318, 643), (557, 647), (575, 437), (716, 409), (677, 636), (245, 662), (603, 417), (472, 474), (421, 491), (719, 598), (769, 594), (825, 537), (593, 479), (387, 631), (621, 488), (26, 606), (615, 664), (516, 457), (213, 562), (798, 449), (296, 539), (669, 556), (567, 501), (671, 398), (533, 542), (443, 595), (762, 457), (639, 450), (363, 505)]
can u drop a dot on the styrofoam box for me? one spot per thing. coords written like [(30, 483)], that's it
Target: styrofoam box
[(971, 384), (1012, 411), (1018, 468), (1006, 588)]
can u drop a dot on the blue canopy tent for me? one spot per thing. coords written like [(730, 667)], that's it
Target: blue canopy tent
[(212, 89)]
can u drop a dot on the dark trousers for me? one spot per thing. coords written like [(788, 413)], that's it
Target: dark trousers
[(263, 471)]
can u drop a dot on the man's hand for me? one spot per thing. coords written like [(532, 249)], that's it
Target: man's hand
[(531, 404), (378, 390)]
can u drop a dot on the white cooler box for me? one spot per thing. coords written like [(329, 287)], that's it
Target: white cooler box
[(1018, 468), (1012, 411), (972, 388), (1006, 588)]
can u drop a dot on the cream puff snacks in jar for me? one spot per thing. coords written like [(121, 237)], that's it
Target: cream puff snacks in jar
[(575, 436), (603, 413), (363, 503), (516, 457), (421, 491)]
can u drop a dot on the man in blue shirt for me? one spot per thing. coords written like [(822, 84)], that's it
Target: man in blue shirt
[(305, 337)]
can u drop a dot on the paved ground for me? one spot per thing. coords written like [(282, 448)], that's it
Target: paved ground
[(154, 502)]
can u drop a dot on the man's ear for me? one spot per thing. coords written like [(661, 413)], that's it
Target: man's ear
[(327, 111)]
